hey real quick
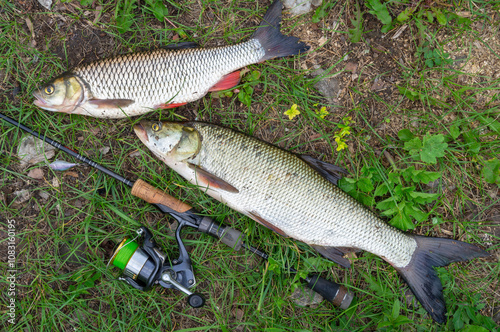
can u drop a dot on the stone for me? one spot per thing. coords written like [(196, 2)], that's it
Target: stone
[(329, 87), (32, 150), (298, 7)]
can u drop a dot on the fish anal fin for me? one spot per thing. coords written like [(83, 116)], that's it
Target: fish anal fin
[(173, 105), (211, 180), (329, 171), (255, 216), (334, 254), (227, 82), (111, 103), (347, 250)]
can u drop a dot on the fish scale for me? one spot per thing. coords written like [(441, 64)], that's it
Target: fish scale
[(161, 76), (264, 175)]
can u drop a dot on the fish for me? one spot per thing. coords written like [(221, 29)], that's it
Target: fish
[(296, 196), (61, 165), (133, 84)]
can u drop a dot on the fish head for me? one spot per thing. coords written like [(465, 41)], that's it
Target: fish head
[(169, 140), (63, 94)]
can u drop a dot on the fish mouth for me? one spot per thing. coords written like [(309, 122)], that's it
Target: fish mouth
[(40, 102), (141, 132)]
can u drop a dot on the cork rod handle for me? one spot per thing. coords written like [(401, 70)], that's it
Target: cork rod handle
[(154, 195)]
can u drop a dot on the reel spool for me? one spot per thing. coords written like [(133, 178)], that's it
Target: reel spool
[(145, 266)]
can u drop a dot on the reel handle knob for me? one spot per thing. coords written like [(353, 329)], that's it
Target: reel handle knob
[(196, 300)]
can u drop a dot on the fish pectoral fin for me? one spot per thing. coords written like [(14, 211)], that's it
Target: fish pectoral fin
[(111, 103), (211, 180), (179, 46), (329, 171), (227, 82), (255, 216), (173, 105), (334, 254)]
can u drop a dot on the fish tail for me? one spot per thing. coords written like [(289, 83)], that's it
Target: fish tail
[(422, 278), (274, 43)]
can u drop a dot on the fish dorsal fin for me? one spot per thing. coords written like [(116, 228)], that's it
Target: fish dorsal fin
[(334, 254), (111, 103), (182, 45), (227, 82), (214, 182), (327, 170), (255, 216)]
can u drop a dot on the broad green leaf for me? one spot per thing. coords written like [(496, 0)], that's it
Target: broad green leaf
[(474, 147), (395, 309), (473, 328), (347, 184), (380, 10), (401, 320), (405, 135), (402, 221), (423, 198), (430, 16), (416, 213), (433, 147), (493, 124), (384, 324), (413, 146), (455, 131), (381, 190), (273, 265), (317, 264), (491, 171), (440, 17), (394, 178), (365, 185), (425, 176), (405, 14), (409, 93), (365, 199), (386, 204), (355, 33)]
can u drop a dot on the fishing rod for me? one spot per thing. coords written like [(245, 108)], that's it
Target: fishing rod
[(143, 267)]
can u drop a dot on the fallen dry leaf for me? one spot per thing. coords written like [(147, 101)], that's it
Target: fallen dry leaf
[(351, 66), (36, 173), (55, 182), (322, 41), (72, 174)]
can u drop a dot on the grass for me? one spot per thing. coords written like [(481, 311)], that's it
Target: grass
[(62, 286)]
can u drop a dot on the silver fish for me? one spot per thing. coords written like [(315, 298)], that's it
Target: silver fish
[(133, 84), (61, 165), (296, 196)]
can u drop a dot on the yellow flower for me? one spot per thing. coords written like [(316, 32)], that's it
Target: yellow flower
[(292, 112), (322, 112)]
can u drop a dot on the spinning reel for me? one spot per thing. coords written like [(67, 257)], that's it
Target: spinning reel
[(146, 266)]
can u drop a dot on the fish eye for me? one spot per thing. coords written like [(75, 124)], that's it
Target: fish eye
[(156, 126), (49, 89)]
